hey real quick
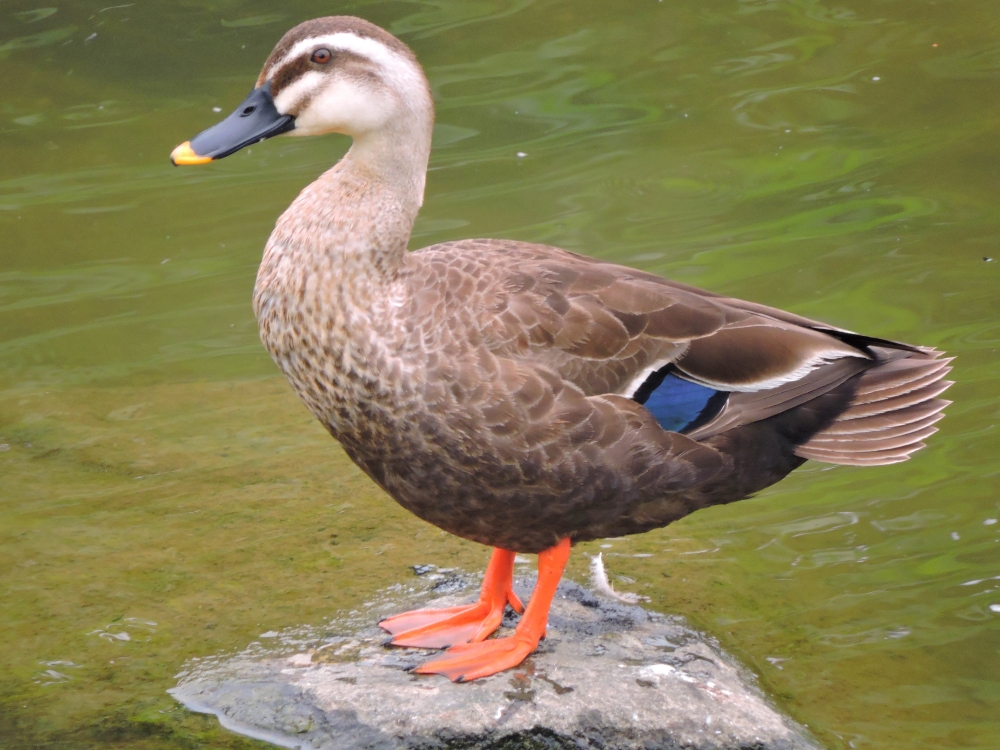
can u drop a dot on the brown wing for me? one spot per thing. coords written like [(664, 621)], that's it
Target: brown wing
[(605, 327)]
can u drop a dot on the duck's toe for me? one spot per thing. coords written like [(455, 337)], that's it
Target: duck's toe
[(440, 628), (418, 618), (470, 661)]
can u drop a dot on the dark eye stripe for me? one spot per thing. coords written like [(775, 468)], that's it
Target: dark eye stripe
[(288, 73)]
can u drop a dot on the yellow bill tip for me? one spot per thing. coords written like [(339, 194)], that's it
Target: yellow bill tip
[(184, 156)]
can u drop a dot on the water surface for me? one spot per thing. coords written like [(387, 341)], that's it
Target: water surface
[(164, 496)]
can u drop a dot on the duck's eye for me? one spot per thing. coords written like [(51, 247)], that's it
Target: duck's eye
[(322, 56)]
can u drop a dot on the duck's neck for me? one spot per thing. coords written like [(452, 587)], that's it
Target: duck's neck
[(396, 156), (326, 283), (358, 215)]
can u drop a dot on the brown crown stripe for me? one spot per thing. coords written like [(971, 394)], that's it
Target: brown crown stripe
[(332, 25), (344, 61)]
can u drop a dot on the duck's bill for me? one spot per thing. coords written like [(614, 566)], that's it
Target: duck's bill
[(253, 121)]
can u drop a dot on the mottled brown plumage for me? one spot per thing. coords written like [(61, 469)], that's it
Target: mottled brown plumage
[(491, 386), (502, 420), (484, 384)]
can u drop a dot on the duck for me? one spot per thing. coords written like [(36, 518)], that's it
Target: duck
[(519, 395)]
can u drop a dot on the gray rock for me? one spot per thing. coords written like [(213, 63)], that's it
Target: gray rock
[(607, 675)]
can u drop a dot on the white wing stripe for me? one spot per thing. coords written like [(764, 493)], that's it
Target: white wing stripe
[(817, 360)]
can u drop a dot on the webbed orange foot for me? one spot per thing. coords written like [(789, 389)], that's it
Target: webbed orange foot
[(440, 628), (471, 661)]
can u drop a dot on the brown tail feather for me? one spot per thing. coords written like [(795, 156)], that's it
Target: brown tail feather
[(924, 376), (895, 403), (900, 366), (929, 412), (856, 444), (877, 459), (889, 428), (894, 409)]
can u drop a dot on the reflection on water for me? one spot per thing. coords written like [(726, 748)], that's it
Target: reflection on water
[(167, 498)]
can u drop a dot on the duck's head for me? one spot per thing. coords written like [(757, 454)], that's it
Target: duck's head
[(330, 75)]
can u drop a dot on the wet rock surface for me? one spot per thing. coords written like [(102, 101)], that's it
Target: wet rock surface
[(607, 675)]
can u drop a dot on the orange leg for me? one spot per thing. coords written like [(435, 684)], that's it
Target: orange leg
[(471, 661), (439, 628)]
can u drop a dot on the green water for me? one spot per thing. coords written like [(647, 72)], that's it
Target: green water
[(838, 160)]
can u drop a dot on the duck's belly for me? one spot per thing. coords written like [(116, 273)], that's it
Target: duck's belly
[(454, 478), (479, 450), (485, 499), (524, 499)]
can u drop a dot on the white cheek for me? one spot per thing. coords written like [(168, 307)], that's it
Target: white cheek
[(289, 98), (344, 106)]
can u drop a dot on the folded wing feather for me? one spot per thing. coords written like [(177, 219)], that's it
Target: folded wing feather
[(608, 329)]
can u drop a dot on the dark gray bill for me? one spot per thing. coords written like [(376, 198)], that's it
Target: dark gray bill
[(254, 120)]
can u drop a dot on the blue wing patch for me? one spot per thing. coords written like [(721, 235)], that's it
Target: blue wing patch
[(679, 405)]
